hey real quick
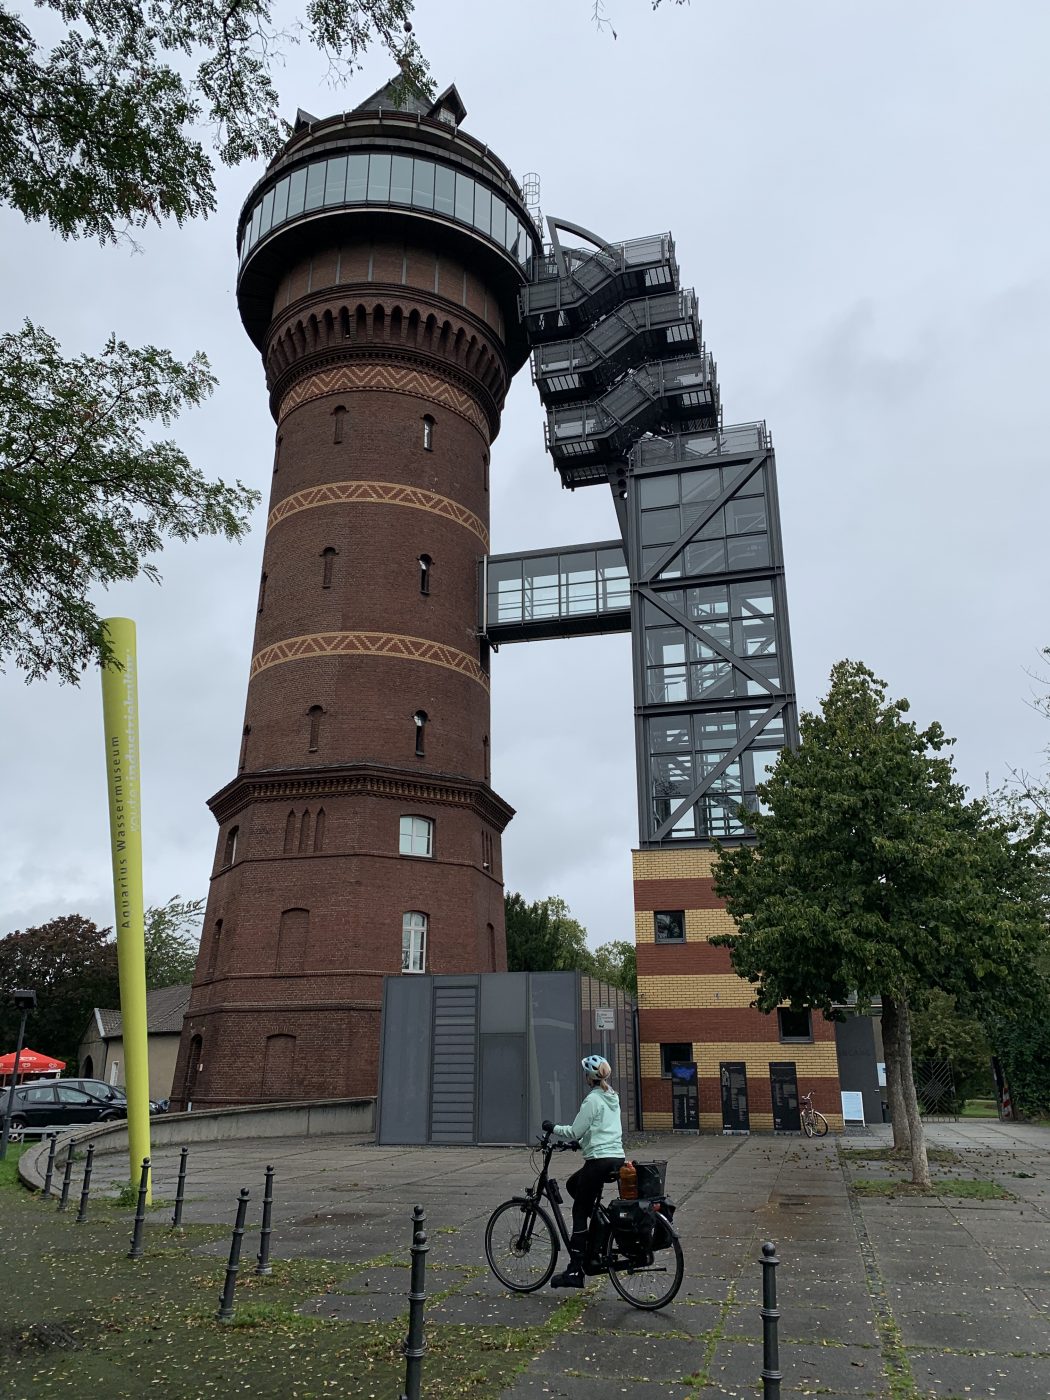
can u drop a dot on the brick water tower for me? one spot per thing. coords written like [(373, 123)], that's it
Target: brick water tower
[(380, 260)]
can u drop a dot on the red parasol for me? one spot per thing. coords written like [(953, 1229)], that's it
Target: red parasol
[(30, 1062)]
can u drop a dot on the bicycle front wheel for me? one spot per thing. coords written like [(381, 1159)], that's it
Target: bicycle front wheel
[(807, 1124), (649, 1286), (818, 1126), (521, 1245)]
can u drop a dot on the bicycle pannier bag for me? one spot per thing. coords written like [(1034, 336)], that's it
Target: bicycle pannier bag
[(633, 1227)]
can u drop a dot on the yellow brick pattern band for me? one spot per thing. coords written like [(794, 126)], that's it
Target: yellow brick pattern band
[(348, 379), (386, 644), (381, 493)]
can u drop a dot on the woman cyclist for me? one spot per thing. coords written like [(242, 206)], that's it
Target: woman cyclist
[(597, 1129)]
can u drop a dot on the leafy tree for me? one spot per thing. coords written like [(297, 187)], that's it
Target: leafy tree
[(172, 940), (72, 966), (945, 1029), (873, 875), (616, 962), (84, 498), (101, 135), (544, 937)]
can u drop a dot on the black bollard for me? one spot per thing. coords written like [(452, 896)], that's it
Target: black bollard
[(414, 1347), (85, 1186), (225, 1312), (50, 1163), (67, 1177), (771, 1373), (180, 1190), (263, 1265), (135, 1252)]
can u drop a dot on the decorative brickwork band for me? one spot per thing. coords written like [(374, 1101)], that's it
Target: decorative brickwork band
[(388, 644), (384, 493), (346, 379)]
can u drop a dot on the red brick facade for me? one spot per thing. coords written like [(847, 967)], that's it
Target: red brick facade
[(387, 372)]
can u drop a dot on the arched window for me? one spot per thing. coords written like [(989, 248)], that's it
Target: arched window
[(243, 763), (230, 853), (428, 433), (194, 1065), (486, 751), (278, 1076), (304, 832), (277, 454), (292, 932), (425, 563), (314, 713), (419, 719), (319, 830), (416, 836), (485, 462), (262, 593), (216, 939), (289, 834), (327, 565), (414, 942), (338, 420), (492, 945), (89, 1068)]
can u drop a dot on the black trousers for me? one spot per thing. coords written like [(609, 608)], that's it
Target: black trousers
[(585, 1187)]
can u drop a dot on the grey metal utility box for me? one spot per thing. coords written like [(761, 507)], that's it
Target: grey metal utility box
[(485, 1057)]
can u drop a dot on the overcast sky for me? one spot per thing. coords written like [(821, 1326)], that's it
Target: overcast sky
[(859, 194)]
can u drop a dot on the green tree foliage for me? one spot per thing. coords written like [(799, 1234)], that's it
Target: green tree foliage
[(102, 134), (72, 966), (172, 941), (103, 131), (945, 1030), (872, 874), (85, 499), (544, 937)]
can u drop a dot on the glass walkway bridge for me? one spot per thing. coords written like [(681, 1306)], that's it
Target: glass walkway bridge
[(577, 592)]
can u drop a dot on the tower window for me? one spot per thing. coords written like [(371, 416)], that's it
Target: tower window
[(486, 750), (414, 942), (314, 713), (327, 565), (277, 453), (416, 836), (485, 460), (795, 1023), (419, 719), (262, 593), (216, 939), (425, 563), (244, 749), (230, 853), (338, 421), (669, 926), (428, 433)]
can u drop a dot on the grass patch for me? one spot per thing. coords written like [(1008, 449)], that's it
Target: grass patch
[(9, 1166), (980, 1108), (277, 1317), (948, 1186)]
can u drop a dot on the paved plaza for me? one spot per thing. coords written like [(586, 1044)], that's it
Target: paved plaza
[(880, 1296)]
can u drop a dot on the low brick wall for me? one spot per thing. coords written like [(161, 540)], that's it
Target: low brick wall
[(297, 1120)]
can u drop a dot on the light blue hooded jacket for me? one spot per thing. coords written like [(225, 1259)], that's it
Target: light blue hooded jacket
[(597, 1125)]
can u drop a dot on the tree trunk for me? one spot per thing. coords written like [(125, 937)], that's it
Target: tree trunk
[(894, 1088), (920, 1167)]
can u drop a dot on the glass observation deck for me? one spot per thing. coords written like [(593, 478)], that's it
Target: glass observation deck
[(556, 306), (577, 592), (650, 328), (681, 394)]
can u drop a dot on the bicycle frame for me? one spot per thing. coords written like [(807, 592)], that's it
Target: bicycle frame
[(545, 1189)]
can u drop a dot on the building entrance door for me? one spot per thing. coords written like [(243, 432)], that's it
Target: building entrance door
[(735, 1117), (783, 1088)]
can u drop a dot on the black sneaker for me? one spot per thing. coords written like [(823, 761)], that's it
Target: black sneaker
[(571, 1278)]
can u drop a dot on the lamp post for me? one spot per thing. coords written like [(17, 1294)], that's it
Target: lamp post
[(24, 1001)]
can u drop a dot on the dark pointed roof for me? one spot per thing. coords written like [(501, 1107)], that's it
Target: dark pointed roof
[(387, 98)]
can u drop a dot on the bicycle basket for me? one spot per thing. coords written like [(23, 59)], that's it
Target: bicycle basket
[(651, 1179)]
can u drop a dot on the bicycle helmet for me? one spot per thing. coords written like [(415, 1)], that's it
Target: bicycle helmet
[(595, 1067)]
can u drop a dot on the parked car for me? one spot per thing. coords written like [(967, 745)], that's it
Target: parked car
[(60, 1103), (110, 1093)]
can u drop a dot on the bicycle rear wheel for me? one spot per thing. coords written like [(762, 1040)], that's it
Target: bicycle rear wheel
[(521, 1245), (818, 1126), (649, 1286)]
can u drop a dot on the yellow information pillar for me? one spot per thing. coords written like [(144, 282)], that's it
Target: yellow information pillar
[(120, 712)]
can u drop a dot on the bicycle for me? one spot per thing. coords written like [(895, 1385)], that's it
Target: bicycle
[(522, 1241), (814, 1124)]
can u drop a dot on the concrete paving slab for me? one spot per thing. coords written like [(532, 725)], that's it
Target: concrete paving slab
[(543, 1387), (628, 1356), (981, 1377), (845, 1370), (357, 1307), (993, 1330), (808, 1324), (612, 1314)]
